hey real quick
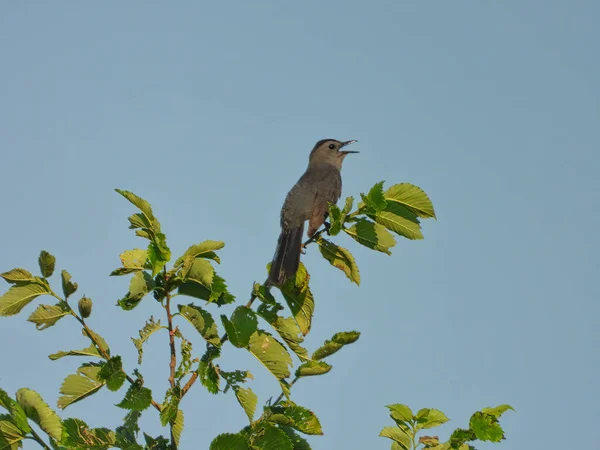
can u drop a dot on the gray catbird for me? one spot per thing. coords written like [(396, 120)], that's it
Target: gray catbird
[(309, 200)]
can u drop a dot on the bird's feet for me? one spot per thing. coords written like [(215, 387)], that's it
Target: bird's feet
[(327, 226)]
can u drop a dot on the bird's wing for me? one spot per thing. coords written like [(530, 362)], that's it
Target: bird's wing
[(329, 189)]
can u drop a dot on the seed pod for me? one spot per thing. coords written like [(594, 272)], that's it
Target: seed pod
[(85, 307)]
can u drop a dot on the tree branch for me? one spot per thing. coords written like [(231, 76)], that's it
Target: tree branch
[(36, 437)]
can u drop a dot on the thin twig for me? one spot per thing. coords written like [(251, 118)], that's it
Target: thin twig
[(281, 395), (173, 361), (38, 439)]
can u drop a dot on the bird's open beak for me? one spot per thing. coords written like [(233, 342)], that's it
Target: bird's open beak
[(344, 144)]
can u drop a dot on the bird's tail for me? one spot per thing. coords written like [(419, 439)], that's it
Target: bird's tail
[(287, 256)]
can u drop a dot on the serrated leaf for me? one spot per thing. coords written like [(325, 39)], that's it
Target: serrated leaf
[(159, 253), (335, 219), (270, 353), (77, 435), (304, 420), (10, 435), (112, 373), (95, 337), (400, 412), (16, 412), (140, 203), (45, 315), (486, 427), (497, 411), (287, 328), (132, 261), (269, 437), (312, 368), (149, 329), (168, 410), (263, 293), (299, 298), (298, 442), (205, 249), (17, 276), (137, 398), (209, 377), (126, 433), (460, 436), (177, 427), (339, 257), (430, 418), (247, 399), (202, 321), (38, 411), (199, 271), (242, 325), (69, 287), (375, 199), (47, 263), (88, 351), (20, 295), (78, 386), (216, 294), (399, 219), (412, 197), (228, 441), (141, 284), (334, 344), (398, 436), (371, 235)]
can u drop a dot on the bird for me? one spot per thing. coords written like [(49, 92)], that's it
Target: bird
[(309, 199)]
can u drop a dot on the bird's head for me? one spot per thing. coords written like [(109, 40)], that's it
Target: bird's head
[(330, 151)]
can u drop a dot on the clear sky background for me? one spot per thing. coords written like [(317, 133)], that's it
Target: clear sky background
[(209, 111)]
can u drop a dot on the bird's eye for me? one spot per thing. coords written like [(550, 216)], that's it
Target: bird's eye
[(331, 146)]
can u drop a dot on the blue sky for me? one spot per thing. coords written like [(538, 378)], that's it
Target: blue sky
[(209, 111)]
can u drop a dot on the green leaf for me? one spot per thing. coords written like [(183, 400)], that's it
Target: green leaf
[(486, 427), (16, 412), (112, 373), (68, 286), (199, 271), (126, 433), (177, 426), (88, 351), (271, 354), (269, 437), (375, 199), (298, 442), (430, 418), (159, 443), (339, 257), (142, 205), (103, 345), (77, 435), (333, 345), (304, 420), (168, 410), (137, 398), (299, 298), (242, 325), (205, 249), (263, 293), (216, 294), (459, 437), (209, 377), (413, 197), (247, 399), (141, 284), (401, 413), (132, 261), (202, 322), (10, 435), (149, 329), (399, 219), (159, 253), (45, 315), (229, 441), (78, 386), (371, 235), (38, 410), (497, 411), (398, 436), (335, 219), (311, 368), (17, 275), (286, 327), (47, 263), (20, 295)]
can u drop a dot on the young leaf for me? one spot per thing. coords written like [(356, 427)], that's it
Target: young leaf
[(299, 298), (95, 337), (229, 441), (47, 262), (375, 199), (68, 286), (217, 293), (335, 219), (339, 257), (371, 235), (497, 411), (430, 418), (398, 436), (263, 294), (112, 373), (132, 261), (304, 420), (271, 354), (159, 443), (141, 284), (269, 437), (20, 295), (17, 276), (399, 219), (38, 410), (149, 329), (88, 351), (205, 249), (401, 413), (413, 197), (311, 368), (177, 426), (335, 343), (242, 325), (159, 253), (126, 433), (199, 271), (486, 427), (45, 315), (79, 386), (142, 205), (248, 399), (137, 398), (10, 434), (202, 321), (298, 442)]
